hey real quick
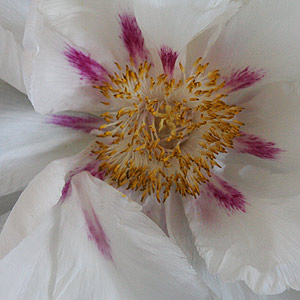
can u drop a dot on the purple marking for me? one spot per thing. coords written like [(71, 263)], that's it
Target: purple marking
[(241, 79), (254, 145), (89, 69), (92, 168), (226, 195), (132, 37), (86, 124), (97, 234), (66, 190), (168, 58)]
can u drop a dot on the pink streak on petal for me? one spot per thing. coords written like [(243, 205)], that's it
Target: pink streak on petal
[(205, 209), (66, 190), (244, 78), (132, 37), (89, 69), (168, 58), (254, 145), (226, 195), (92, 168), (97, 234), (86, 124)]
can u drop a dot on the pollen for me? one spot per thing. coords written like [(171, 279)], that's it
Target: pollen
[(162, 132)]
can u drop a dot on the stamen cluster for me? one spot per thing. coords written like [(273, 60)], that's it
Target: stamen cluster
[(161, 132)]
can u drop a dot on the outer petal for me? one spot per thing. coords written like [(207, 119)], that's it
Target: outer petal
[(180, 232), (67, 250), (12, 24), (259, 245), (28, 142), (49, 186), (256, 47)]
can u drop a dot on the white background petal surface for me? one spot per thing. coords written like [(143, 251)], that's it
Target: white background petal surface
[(27, 142), (175, 23), (273, 115), (180, 232), (70, 262), (12, 24), (262, 35), (260, 246)]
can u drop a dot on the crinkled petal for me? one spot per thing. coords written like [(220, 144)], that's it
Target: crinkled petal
[(97, 238), (238, 289), (180, 232), (29, 141), (257, 242)]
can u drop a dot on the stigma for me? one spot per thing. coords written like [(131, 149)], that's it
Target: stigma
[(161, 132)]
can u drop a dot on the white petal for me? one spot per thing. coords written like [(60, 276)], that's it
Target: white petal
[(168, 26), (256, 45), (67, 256), (264, 183), (28, 141), (238, 290), (42, 193), (3, 218), (12, 24), (179, 230), (7, 202), (258, 244), (13, 16), (10, 61), (174, 23), (48, 69), (68, 47), (273, 116), (101, 31)]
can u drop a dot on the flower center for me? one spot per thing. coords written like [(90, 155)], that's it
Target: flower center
[(161, 131)]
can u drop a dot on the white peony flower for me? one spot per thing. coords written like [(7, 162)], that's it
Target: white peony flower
[(183, 116)]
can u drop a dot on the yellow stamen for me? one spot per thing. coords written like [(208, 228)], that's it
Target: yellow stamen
[(159, 140)]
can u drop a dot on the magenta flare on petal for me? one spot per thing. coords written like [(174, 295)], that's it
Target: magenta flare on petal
[(86, 124), (96, 233), (66, 190), (254, 145), (92, 168), (89, 69), (244, 78), (168, 58), (132, 37), (226, 195)]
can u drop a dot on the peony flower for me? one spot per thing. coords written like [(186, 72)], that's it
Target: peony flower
[(183, 118)]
